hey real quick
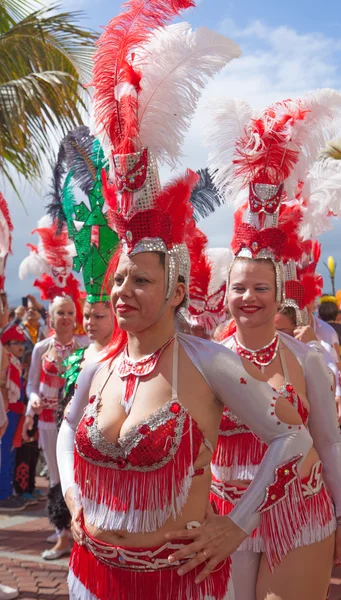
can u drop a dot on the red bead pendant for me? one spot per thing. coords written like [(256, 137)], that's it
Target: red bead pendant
[(92, 398), (89, 421), (121, 463)]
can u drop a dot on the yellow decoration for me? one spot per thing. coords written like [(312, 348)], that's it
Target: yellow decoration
[(331, 266), (338, 298), (328, 299)]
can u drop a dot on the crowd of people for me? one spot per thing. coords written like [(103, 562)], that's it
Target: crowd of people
[(187, 403)]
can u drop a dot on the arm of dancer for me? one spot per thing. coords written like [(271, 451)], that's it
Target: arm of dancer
[(33, 381), (241, 387), (323, 423), (66, 437), (275, 492)]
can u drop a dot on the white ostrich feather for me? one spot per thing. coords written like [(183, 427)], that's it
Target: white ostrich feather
[(172, 82), (228, 120), (220, 259), (323, 197), (312, 133), (34, 265)]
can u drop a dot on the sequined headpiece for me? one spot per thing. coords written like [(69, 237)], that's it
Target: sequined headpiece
[(51, 262), (209, 269), (6, 229), (148, 79), (79, 169), (267, 159)]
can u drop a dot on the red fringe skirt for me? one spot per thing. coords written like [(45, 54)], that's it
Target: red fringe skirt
[(318, 523), (100, 571)]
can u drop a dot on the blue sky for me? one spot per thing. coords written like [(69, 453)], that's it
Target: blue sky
[(288, 48)]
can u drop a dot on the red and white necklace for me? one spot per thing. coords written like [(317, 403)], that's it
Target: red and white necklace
[(130, 371), (261, 357)]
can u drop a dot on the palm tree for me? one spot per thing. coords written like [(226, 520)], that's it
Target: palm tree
[(45, 62)]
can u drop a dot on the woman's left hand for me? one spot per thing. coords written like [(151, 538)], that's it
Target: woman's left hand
[(216, 539), (337, 553)]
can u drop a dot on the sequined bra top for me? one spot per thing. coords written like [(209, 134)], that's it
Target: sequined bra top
[(239, 451), (143, 479)]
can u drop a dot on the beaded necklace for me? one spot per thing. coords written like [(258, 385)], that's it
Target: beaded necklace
[(261, 357), (131, 371)]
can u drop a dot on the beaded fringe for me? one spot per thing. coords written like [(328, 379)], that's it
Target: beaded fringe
[(240, 452), (135, 500)]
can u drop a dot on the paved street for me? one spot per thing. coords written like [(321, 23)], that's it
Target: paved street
[(22, 539)]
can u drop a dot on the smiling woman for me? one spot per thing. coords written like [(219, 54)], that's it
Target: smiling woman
[(269, 159)]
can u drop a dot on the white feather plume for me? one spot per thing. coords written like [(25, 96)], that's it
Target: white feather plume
[(34, 265), (220, 259), (172, 82), (312, 134), (229, 117), (317, 113), (323, 198)]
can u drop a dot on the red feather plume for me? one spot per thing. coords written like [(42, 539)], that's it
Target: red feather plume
[(200, 266), (113, 66), (5, 211), (54, 244)]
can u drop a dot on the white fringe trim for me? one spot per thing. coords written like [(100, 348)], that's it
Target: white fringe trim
[(77, 590), (237, 472), (308, 536), (134, 521)]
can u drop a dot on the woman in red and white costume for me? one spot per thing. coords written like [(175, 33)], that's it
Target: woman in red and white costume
[(135, 465), (267, 160), (44, 385)]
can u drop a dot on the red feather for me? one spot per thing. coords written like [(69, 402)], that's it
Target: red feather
[(229, 330), (54, 244), (313, 286), (5, 211), (174, 201), (200, 266), (267, 152), (113, 66)]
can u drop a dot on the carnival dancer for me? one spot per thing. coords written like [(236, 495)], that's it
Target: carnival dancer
[(135, 465), (51, 261), (269, 158), (79, 167)]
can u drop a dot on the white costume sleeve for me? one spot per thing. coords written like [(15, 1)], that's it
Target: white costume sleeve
[(253, 402), (323, 423), (33, 382), (66, 437)]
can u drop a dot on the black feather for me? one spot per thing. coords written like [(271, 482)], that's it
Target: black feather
[(55, 207), (205, 198), (78, 150), (57, 511)]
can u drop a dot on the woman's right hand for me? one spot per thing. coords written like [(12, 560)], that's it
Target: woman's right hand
[(36, 405), (76, 511), (28, 424)]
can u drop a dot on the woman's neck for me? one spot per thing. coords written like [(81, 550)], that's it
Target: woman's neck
[(256, 337), (100, 344), (146, 342), (64, 338)]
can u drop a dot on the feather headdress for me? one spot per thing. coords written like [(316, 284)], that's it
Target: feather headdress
[(6, 228), (148, 79), (79, 167), (207, 284), (51, 262), (267, 159)]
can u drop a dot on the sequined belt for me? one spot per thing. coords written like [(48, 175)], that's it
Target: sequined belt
[(135, 559), (311, 485)]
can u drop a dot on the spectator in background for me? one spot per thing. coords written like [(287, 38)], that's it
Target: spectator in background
[(30, 320), (329, 313), (13, 341)]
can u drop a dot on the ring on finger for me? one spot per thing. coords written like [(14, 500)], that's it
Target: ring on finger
[(205, 554)]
